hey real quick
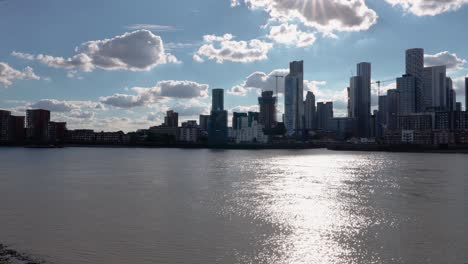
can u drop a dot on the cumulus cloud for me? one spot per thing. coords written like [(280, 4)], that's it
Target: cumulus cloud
[(139, 50), (225, 48), (63, 106), (9, 74), (289, 34), (323, 15), (152, 27), (163, 89), (459, 85), (428, 7), (451, 60), (192, 107), (261, 81)]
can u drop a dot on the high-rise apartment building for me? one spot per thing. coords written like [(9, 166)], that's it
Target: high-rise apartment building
[(217, 100), (171, 119), (435, 88), (406, 87), (204, 120), (239, 120), (466, 94), (218, 125), (294, 98), (310, 111), (415, 67), (267, 103), (360, 98), (324, 114), (393, 106), (37, 124), (254, 116), (4, 125)]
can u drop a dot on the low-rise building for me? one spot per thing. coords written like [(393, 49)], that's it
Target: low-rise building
[(189, 132)]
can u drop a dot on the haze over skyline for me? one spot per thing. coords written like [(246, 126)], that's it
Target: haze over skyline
[(121, 66)]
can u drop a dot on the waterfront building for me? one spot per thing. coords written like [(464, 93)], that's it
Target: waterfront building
[(360, 98), (255, 116), (416, 121), (4, 125), (37, 124), (344, 127), (415, 67), (204, 120), (171, 119), (458, 106), (451, 95), (293, 98), (56, 131), (310, 111), (81, 136), (218, 125), (393, 106), (382, 116), (217, 99), (267, 116), (406, 87), (251, 134), (324, 114), (189, 132), (239, 120), (435, 88)]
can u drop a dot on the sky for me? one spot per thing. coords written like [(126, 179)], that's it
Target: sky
[(119, 65)]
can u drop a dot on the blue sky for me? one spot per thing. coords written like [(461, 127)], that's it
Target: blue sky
[(120, 64)]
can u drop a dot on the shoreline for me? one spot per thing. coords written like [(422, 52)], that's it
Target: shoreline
[(460, 149)]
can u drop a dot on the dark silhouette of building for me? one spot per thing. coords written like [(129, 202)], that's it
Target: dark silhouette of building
[(267, 103), (4, 125), (253, 116), (406, 87), (171, 119), (217, 100), (57, 132), (415, 68), (458, 106), (324, 114), (466, 94), (360, 98), (237, 120), (37, 124), (393, 106), (218, 125), (310, 111), (204, 120), (294, 98)]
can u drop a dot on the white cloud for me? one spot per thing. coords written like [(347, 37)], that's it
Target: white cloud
[(245, 108), (225, 48), (428, 7), (261, 81), (139, 50), (163, 89), (324, 15), (9, 74), (152, 27), (63, 106), (459, 85), (192, 107), (289, 34), (451, 60)]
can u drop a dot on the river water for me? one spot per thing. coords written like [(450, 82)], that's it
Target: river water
[(147, 206)]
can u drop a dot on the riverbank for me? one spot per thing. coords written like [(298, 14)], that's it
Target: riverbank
[(11, 256), (399, 148)]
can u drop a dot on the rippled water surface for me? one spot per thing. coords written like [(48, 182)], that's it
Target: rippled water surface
[(147, 206)]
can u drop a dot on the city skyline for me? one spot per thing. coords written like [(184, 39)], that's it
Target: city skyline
[(129, 94)]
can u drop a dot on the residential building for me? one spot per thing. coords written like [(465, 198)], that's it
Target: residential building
[(252, 134), (171, 119), (56, 131), (393, 106), (360, 98), (310, 111), (217, 100), (415, 67), (324, 114), (37, 124), (406, 87), (4, 125), (189, 132), (204, 120), (435, 88), (293, 98), (218, 125), (254, 116), (267, 103), (239, 120)]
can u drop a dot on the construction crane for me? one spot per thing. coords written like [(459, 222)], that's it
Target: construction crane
[(379, 83)]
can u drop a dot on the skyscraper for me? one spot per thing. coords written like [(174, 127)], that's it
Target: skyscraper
[(4, 125), (294, 98), (217, 100), (415, 68), (435, 88), (393, 106), (204, 120), (324, 114), (310, 111), (37, 124), (360, 98), (217, 131), (253, 116), (451, 95), (171, 119), (267, 103), (406, 87), (382, 116)]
